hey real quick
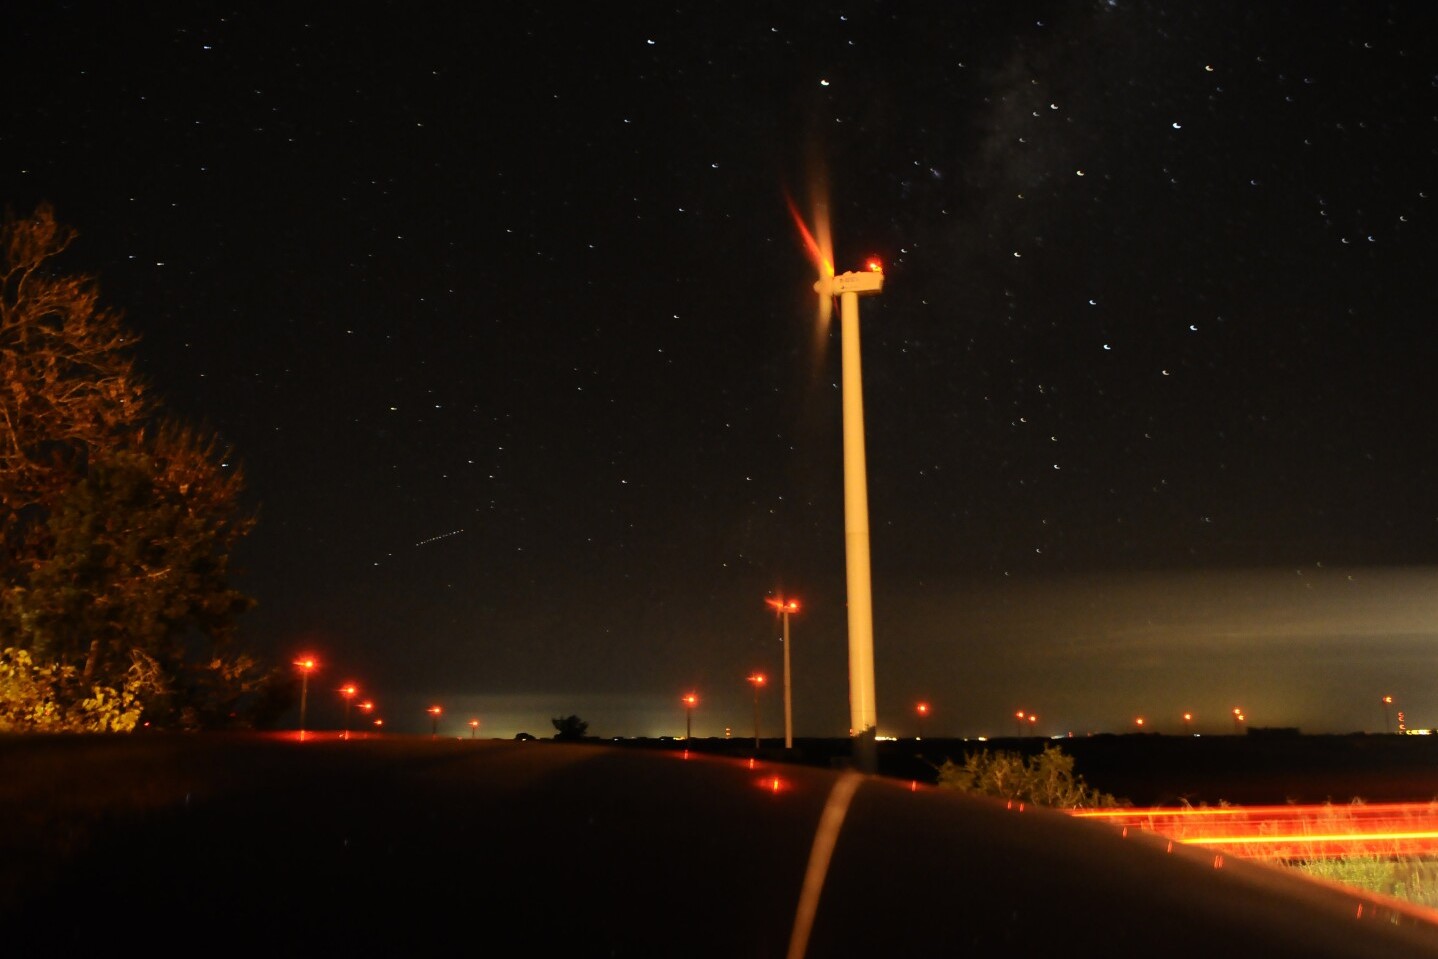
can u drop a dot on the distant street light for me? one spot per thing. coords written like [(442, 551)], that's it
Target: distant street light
[(434, 712), (758, 680), (784, 607), (1138, 722), (1019, 723), (1238, 718), (1187, 719), (307, 665), (348, 691), (473, 728), (923, 710), (1387, 719), (689, 700)]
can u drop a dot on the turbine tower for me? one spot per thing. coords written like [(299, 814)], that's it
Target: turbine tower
[(848, 287), (863, 715)]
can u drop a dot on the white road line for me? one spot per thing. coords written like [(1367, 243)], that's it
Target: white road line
[(825, 838)]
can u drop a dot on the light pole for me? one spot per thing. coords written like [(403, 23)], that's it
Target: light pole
[(1237, 719), (689, 700), (348, 691), (1387, 719), (1187, 719), (307, 665), (473, 728), (863, 714), (1019, 722), (434, 712), (784, 607), (758, 680), (923, 710), (366, 707)]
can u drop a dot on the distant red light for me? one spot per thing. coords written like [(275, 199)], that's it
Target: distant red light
[(774, 784)]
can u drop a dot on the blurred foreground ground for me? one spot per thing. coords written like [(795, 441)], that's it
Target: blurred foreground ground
[(230, 845)]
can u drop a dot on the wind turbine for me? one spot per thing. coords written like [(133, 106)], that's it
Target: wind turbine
[(848, 287)]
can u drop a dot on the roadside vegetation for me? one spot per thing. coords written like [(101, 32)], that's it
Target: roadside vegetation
[(1384, 867), (1047, 779), (1410, 878)]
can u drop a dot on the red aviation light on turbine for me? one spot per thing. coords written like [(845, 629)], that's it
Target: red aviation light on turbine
[(874, 265)]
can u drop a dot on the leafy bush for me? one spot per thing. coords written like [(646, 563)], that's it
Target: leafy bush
[(49, 698), (1047, 779)]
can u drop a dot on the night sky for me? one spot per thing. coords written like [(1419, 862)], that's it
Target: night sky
[(505, 315)]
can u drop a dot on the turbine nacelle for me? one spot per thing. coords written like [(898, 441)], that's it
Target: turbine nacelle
[(867, 281)]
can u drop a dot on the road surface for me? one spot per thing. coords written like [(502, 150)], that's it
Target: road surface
[(228, 845)]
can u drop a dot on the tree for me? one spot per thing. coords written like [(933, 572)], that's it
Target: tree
[(118, 521), (67, 382), (570, 728), (1044, 780)]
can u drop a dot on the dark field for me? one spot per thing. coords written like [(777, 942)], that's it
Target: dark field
[(1153, 770)]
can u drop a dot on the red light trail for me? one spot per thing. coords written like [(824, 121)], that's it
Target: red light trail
[(1291, 833)]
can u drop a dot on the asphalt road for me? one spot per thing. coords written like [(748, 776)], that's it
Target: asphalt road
[(225, 845)]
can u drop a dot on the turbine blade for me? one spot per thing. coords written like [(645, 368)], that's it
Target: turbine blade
[(823, 240)]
